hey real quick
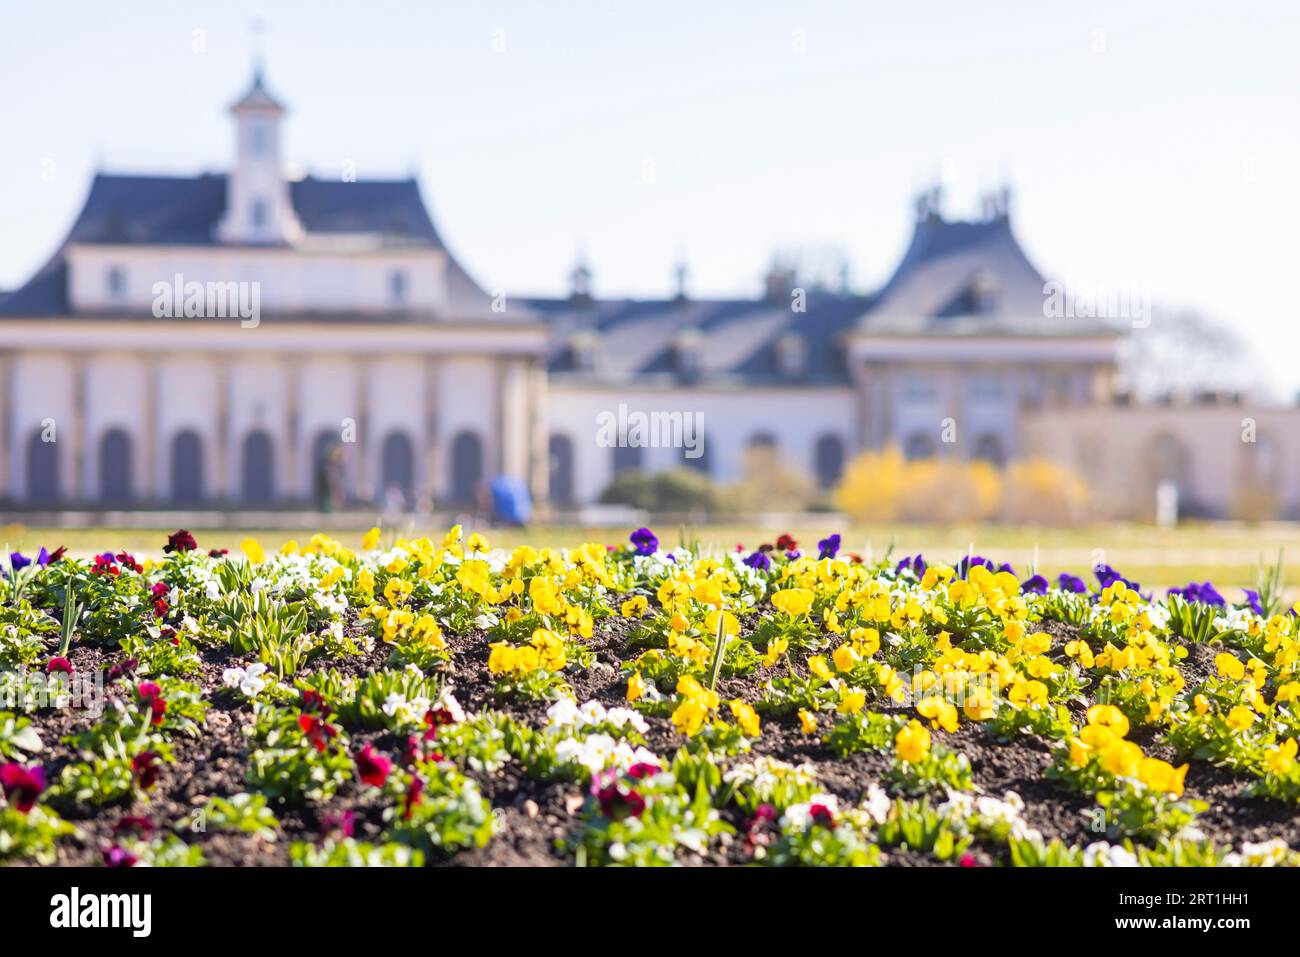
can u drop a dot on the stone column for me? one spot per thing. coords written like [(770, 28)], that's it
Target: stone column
[(539, 452), (430, 482), (293, 455), (151, 434), (221, 486), (78, 461), (514, 417), (363, 474)]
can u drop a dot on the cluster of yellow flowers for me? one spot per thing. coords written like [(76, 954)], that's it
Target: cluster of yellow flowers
[(544, 652), (1103, 740)]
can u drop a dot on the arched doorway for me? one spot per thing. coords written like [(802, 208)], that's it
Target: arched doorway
[(398, 471), (187, 468), (42, 470), (560, 456), (627, 458), (700, 462), (115, 479), (989, 448), (466, 467), (828, 460), (257, 470)]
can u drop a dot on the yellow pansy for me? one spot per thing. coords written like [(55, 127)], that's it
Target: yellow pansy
[(1281, 760), (634, 607), (1229, 666), (845, 658), (912, 743), (253, 550), (775, 649), (635, 686), (851, 702), (939, 710), (746, 717), (1162, 776), (370, 539), (817, 665), (807, 721), (1240, 718), (1028, 693), (793, 601), (1110, 717)]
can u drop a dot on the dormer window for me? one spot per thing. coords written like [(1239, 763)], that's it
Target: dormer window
[(791, 355), (984, 293), (585, 349), (397, 287), (116, 282), (687, 357)]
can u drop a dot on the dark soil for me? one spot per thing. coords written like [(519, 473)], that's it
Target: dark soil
[(536, 817)]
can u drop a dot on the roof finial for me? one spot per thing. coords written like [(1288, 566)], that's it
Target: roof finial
[(256, 26), (680, 274), (580, 279)]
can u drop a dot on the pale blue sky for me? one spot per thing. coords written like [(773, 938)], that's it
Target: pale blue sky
[(1151, 145)]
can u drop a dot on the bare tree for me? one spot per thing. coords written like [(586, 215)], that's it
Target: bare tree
[(1183, 352)]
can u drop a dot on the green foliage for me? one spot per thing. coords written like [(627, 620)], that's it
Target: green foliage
[(677, 490)]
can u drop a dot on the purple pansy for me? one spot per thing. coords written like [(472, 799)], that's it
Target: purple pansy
[(1034, 585), (645, 541), (829, 546)]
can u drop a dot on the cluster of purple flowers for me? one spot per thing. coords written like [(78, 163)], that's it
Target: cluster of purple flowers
[(1204, 592), (970, 561), (644, 541), (1107, 576), (18, 561), (1038, 585), (914, 563)]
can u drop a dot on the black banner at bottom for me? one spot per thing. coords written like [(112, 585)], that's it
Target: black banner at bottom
[(327, 906)]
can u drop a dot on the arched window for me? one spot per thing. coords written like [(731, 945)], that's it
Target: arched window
[(627, 458), (828, 461), (187, 468), (988, 448), (115, 467), (42, 470), (398, 468), (466, 467), (919, 446), (329, 469), (257, 484), (560, 452), (697, 458)]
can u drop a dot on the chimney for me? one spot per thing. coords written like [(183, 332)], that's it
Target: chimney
[(779, 281)]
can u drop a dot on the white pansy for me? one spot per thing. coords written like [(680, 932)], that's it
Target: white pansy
[(562, 714), (447, 702), (592, 712), (622, 717), (799, 816), (1102, 854), (1264, 853), (877, 804), (248, 680)]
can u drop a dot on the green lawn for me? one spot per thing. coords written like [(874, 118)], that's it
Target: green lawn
[(1226, 553)]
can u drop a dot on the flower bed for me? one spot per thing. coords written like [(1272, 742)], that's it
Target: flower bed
[(435, 701)]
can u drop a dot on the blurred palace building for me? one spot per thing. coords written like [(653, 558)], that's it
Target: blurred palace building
[(244, 340)]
